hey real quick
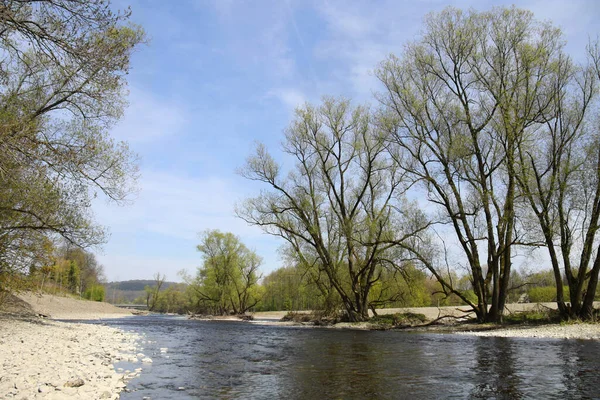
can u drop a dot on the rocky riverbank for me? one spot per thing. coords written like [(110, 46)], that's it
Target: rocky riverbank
[(457, 324), (551, 331), (55, 360), (40, 358)]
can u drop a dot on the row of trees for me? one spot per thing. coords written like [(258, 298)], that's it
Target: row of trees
[(293, 288), (62, 87), (71, 270), (486, 143)]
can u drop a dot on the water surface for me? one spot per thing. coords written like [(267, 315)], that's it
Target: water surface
[(230, 360)]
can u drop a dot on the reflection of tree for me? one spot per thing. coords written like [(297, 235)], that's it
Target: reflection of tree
[(361, 365), (495, 372), (579, 368), (343, 367)]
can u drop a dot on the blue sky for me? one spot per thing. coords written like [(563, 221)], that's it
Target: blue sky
[(216, 76)]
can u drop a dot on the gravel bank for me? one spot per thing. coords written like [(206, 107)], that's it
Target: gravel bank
[(57, 307), (54, 360), (554, 331)]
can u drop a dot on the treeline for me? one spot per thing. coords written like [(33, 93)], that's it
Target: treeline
[(73, 271), (228, 283), (483, 143), (63, 80)]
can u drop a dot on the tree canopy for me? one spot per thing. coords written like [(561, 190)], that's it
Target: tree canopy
[(62, 87), (227, 281), (465, 101), (341, 209)]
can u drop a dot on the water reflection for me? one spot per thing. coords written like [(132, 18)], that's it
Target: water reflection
[(496, 371), (580, 372), (343, 367), (236, 360)]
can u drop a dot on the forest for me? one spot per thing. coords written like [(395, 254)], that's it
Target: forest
[(480, 146)]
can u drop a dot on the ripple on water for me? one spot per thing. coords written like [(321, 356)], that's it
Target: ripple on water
[(218, 359)]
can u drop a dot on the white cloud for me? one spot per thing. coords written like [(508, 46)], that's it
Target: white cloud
[(177, 206), (290, 97), (149, 118), (172, 210)]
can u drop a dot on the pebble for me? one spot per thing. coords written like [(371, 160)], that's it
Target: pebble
[(552, 331), (58, 360)]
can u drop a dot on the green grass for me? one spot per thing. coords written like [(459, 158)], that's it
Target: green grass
[(532, 317)]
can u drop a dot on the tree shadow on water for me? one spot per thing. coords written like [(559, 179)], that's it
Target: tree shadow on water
[(495, 370)]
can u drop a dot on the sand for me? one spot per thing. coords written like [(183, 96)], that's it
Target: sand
[(67, 308)]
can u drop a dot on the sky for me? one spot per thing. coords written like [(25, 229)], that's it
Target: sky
[(218, 76)]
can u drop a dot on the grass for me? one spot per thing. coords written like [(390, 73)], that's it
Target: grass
[(540, 316)]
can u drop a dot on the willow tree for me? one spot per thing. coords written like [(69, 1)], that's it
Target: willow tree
[(560, 177), (227, 281), (462, 98), (340, 207), (62, 87)]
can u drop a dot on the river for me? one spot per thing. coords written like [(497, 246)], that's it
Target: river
[(231, 360)]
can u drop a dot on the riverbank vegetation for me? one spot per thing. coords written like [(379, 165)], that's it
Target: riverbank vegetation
[(482, 145), (485, 144), (62, 89)]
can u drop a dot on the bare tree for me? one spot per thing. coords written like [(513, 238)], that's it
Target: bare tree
[(341, 208), (153, 293), (560, 176), (461, 100)]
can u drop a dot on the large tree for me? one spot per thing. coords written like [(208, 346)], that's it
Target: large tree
[(560, 177), (227, 282), (462, 99), (62, 87), (340, 209)]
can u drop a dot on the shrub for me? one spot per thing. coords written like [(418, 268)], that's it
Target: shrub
[(95, 293), (545, 294)]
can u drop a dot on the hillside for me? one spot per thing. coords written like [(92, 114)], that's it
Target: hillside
[(119, 292)]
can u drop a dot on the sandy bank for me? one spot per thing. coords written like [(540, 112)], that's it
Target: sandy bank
[(57, 307), (54, 360)]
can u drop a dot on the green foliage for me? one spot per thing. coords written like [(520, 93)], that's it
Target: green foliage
[(540, 316), (63, 71), (95, 293), (290, 289), (73, 277), (402, 287), (227, 282), (544, 294)]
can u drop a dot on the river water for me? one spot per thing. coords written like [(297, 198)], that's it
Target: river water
[(231, 360)]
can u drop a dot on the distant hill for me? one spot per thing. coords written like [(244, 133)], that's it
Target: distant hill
[(127, 291)]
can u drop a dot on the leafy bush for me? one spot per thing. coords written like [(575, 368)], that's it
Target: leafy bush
[(545, 294), (95, 293)]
